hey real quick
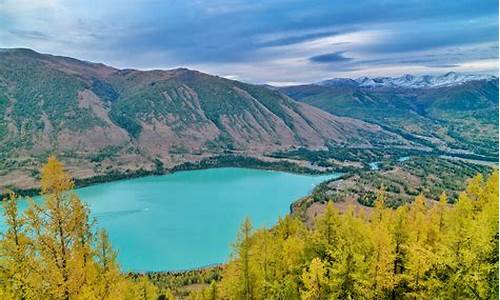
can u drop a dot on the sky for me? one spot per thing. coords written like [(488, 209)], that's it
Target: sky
[(277, 42)]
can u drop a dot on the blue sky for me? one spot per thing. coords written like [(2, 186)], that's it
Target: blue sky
[(272, 41)]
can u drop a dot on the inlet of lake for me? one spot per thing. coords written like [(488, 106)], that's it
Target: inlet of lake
[(189, 219)]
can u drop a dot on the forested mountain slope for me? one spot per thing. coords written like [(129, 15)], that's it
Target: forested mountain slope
[(99, 119), (454, 113)]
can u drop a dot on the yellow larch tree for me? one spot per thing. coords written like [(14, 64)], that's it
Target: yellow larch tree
[(16, 255), (349, 268), (240, 276), (49, 251), (61, 235), (420, 255), (424, 250), (383, 255), (315, 281)]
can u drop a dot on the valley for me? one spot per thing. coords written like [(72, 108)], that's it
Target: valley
[(451, 113), (106, 124), (400, 180)]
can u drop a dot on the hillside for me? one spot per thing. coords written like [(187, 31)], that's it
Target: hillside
[(101, 120), (453, 113)]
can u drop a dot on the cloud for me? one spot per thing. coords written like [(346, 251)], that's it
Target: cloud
[(261, 40), (30, 34), (296, 38), (330, 58), (444, 66)]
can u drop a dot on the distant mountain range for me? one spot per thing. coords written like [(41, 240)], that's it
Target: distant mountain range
[(408, 81), (100, 119), (453, 112)]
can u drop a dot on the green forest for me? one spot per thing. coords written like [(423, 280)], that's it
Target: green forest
[(423, 250)]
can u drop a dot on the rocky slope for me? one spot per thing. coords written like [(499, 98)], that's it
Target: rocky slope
[(100, 119)]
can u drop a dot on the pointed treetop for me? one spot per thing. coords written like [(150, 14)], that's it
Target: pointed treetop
[(54, 178)]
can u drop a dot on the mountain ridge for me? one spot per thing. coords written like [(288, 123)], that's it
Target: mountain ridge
[(460, 118), (408, 80), (100, 119)]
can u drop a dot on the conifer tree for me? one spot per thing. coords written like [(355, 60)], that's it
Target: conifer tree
[(170, 296), (49, 251), (142, 289), (213, 293), (326, 233), (315, 281), (383, 255), (244, 250), (241, 275), (350, 266), (108, 277), (420, 255), (418, 251), (59, 226), (16, 254)]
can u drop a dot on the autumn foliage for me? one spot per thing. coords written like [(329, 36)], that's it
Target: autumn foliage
[(51, 251), (427, 250)]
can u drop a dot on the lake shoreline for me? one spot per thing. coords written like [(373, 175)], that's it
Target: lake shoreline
[(221, 161)]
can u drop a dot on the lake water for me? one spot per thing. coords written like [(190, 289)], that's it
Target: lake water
[(189, 219)]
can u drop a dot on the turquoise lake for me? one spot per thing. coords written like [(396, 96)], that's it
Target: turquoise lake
[(189, 219)]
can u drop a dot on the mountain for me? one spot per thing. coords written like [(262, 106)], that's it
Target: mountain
[(100, 119), (408, 81), (453, 112)]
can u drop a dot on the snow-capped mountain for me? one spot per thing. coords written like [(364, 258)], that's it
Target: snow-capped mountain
[(408, 81)]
